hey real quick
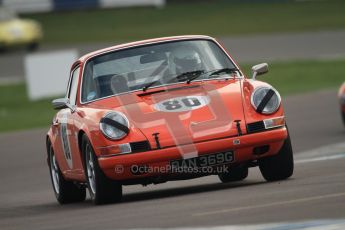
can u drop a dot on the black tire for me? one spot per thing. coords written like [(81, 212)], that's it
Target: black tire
[(102, 190), (65, 191), (235, 174), (343, 115), (279, 166)]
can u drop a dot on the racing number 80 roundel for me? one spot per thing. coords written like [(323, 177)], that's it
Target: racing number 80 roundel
[(181, 104)]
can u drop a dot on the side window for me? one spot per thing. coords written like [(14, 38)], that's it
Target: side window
[(73, 87)]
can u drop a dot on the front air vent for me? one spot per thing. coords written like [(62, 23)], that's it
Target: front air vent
[(256, 127), (140, 146)]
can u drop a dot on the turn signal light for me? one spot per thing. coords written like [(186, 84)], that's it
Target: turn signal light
[(274, 122), (116, 149)]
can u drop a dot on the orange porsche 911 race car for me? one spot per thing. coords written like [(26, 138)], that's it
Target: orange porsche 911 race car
[(341, 96), (163, 109)]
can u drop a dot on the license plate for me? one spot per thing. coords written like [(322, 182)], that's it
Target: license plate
[(204, 161)]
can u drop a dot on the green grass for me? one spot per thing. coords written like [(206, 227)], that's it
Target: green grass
[(17, 112), (303, 76), (217, 18)]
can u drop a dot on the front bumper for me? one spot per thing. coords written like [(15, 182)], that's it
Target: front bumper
[(119, 167)]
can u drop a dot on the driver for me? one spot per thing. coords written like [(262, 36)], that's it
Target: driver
[(183, 59)]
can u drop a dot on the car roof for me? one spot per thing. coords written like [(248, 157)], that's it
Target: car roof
[(140, 43)]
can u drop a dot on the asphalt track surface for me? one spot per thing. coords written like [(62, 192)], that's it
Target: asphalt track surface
[(315, 192), (245, 49)]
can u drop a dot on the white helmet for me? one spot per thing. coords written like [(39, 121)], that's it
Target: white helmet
[(185, 59)]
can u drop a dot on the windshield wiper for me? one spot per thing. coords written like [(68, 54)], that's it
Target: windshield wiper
[(199, 73), (213, 72), (188, 76), (224, 70), (149, 85), (192, 75)]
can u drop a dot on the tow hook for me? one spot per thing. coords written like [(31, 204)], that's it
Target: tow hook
[(238, 126), (155, 135)]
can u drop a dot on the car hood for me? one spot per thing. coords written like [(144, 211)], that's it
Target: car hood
[(183, 114)]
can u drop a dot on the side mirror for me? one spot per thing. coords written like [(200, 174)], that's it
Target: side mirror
[(62, 103), (259, 70)]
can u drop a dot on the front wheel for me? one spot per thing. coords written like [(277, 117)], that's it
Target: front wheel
[(102, 190), (65, 191), (279, 166)]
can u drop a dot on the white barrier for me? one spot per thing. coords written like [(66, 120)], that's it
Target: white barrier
[(47, 74), (129, 3), (31, 6), (26, 6)]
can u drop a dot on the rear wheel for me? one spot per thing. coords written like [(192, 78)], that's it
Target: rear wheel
[(102, 190), (235, 174), (65, 191), (280, 166)]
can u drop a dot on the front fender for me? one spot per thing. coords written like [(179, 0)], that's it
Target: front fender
[(90, 127), (250, 114)]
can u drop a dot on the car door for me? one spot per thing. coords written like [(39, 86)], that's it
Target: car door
[(67, 130)]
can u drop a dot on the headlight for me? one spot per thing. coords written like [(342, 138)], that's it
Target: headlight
[(265, 100), (114, 125)]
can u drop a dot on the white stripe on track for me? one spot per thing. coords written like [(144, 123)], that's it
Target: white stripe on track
[(334, 195), (329, 152)]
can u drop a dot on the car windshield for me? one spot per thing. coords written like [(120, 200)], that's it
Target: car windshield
[(135, 68), (6, 14)]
